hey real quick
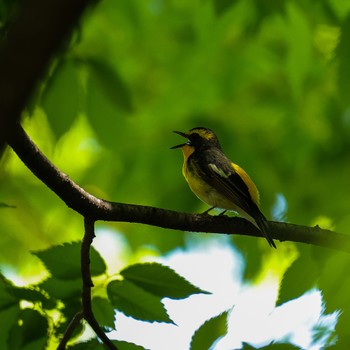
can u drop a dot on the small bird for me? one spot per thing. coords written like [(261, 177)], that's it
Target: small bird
[(217, 181)]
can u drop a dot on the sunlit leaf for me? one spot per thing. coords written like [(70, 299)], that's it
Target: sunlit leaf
[(96, 345), (135, 302), (300, 277), (30, 333), (123, 345), (104, 312), (71, 307), (160, 280), (63, 261), (7, 299), (210, 332)]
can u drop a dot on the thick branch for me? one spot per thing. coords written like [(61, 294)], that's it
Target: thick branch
[(97, 209), (33, 37)]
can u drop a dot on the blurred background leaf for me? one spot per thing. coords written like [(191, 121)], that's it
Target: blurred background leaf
[(63, 97)]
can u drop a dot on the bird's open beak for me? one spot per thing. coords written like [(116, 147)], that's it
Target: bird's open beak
[(183, 134)]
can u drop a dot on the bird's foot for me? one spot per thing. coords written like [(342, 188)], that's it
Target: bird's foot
[(207, 211)]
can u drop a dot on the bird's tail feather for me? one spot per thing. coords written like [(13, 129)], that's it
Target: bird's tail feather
[(263, 226)]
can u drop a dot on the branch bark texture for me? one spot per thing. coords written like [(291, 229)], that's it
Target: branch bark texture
[(95, 208)]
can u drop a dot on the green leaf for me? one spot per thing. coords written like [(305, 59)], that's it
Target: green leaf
[(322, 334), (7, 299), (221, 6), (112, 84), (5, 205), (300, 277), (89, 345), (98, 105), (299, 48), (62, 97), (123, 345), (8, 320), (104, 312), (343, 52), (246, 346), (11, 295), (275, 346), (61, 289), (334, 282), (71, 307), (30, 332), (135, 302), (211, 331), (28, 294), (250, 247), (63, 261), (160, 280), (278, 346), (96, 345)]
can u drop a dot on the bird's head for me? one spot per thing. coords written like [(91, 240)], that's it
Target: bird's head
[(198, 138)]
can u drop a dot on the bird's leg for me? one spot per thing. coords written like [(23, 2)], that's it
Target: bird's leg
[(207, 211)]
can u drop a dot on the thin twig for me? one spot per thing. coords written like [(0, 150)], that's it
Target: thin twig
[(68, 333), (87, 283)]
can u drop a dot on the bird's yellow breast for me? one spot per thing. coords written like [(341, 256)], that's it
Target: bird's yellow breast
[(201, 188), (187, 150)]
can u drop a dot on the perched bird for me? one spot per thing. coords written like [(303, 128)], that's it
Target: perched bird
[(217, 181)]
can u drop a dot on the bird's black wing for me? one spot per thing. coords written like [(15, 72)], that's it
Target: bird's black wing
[(218, 172)]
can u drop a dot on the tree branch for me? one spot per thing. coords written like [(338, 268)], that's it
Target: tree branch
[(33, 37), (98, 209), (69, 331), (87, 283)]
